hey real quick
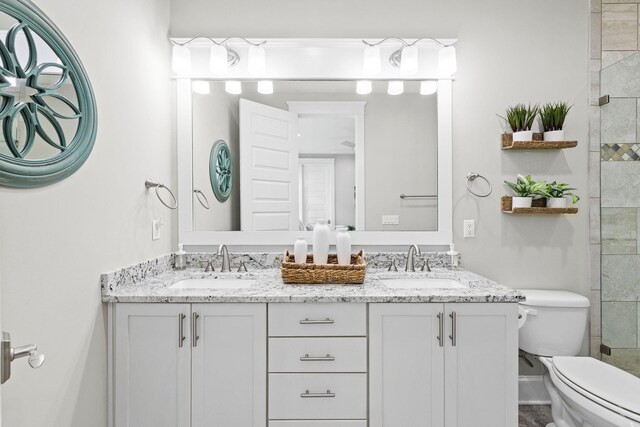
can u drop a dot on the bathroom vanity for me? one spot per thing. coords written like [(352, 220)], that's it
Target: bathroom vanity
[(404, 349)]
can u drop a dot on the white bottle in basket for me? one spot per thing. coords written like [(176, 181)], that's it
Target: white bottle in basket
[(343, 246), (321, 242), (300, 250)]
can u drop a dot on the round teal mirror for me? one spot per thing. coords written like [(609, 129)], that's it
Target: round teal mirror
[(221, 170), (47, 107)]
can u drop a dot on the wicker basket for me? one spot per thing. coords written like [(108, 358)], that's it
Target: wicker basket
[(331, 273)]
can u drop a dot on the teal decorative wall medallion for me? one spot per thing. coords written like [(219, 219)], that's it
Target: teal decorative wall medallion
[(221, 170), (48, 115)]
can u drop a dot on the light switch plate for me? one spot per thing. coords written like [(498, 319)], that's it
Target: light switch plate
[(390, 219), (156, 226)]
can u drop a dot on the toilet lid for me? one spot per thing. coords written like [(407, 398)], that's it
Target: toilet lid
[(591, 376)]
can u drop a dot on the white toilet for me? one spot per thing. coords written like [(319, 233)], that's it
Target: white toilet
[(585, 392)]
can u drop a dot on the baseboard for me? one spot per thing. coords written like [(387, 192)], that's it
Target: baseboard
[(531, 390)]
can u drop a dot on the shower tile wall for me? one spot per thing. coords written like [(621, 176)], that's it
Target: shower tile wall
[(615, 140)]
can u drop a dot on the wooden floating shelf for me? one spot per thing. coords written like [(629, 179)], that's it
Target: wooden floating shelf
[(537, 144), (506, 207)]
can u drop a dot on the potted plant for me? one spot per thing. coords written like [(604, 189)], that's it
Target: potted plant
[(556, 195), (552, 117), (526, 190), (520, 119)]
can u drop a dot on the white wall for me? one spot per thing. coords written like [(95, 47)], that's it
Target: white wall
[(56, 240), (503, 58)]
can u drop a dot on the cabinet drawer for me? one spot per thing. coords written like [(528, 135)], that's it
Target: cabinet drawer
[(317, 355), (317, 396), (317, 319), (331, 423)]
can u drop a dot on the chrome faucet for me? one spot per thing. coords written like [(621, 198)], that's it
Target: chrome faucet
[(222, 250), (413, 250)]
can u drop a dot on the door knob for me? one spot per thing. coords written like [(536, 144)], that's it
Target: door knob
[(8, 354)]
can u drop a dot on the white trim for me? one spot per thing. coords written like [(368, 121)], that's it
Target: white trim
[(186, 235), (352, 109), (184, 129), (531, 390)]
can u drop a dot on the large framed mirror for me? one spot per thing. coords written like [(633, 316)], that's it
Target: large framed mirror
[(316, 149)]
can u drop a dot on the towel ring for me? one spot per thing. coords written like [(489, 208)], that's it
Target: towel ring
[(153, 184), (471, 177), (202, 198)]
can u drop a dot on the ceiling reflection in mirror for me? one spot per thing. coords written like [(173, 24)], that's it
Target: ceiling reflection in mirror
[(301, 164)]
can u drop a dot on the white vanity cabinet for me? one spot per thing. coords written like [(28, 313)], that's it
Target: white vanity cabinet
[(178, 365), (452, 365), (317, 365)]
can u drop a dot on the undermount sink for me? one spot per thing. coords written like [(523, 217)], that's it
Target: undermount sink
[(213, 284), (422, 283)]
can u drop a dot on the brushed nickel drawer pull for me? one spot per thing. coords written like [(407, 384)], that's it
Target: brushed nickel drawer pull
[(306, 394), (441, 329), (326, 321), (327, 358), (194, 329), (454, 328), (181, 336)]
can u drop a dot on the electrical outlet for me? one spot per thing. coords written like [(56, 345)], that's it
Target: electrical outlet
[(156, 226), (390, 220), (469, 228)]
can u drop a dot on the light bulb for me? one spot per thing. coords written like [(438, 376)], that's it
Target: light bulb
[(218, 61), (371, 61), (233, 87), (265, 87), (181, 60), (409, 60), (396, 87), (363, 87), (201, 87), (257, 64), (447, 64), (428, 87)]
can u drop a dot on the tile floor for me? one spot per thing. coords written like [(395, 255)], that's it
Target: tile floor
[(534, 415)]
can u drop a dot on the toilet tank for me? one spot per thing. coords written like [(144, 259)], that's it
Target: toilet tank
[(553, 323)]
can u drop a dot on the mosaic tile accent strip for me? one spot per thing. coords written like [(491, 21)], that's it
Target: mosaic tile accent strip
[(620, 152)]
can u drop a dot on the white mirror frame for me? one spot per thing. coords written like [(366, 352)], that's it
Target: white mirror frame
[(188, 236)]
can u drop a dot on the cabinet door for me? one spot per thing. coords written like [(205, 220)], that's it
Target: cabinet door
[(406, 365), (229, 365), (152, 362), (481, 367)]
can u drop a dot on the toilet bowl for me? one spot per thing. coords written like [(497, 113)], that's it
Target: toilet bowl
[(585, 392)]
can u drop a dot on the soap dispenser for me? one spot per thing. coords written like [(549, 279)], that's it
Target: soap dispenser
[(180, 262), (455, 256)]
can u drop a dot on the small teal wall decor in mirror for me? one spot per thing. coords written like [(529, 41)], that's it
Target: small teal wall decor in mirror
[(221, 170), (48, 115)]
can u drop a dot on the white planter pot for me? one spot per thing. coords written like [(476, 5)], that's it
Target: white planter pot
[(554, 135), (557, 202), (525, 135), (521, 202)]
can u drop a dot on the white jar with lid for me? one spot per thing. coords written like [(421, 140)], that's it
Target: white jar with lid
[(300, 248), (321, 243)]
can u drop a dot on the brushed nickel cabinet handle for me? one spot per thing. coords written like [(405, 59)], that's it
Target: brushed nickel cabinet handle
[(194, 329), (306, 394), (181, 336), (454, 327), (441, 329), (326, 321), (327, 358)]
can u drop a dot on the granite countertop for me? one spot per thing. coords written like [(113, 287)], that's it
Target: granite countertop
[(269, 288)]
